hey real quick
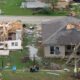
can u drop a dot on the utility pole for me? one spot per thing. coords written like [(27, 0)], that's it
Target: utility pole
[(75, 64)]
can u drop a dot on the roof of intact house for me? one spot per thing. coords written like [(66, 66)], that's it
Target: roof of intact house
[(55, 32), (35, 4)]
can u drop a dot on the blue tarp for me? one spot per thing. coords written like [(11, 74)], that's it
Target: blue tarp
[(13, 68)]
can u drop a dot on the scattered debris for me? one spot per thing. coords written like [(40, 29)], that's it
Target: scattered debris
[(34, 68), (13, 68), (66, 69), (53, 73), (33, 52), (55, 66)]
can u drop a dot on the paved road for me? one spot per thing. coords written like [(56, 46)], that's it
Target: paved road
[(28, 19)]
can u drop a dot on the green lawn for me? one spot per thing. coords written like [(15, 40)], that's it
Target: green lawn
[(12, 7), (19, 75)]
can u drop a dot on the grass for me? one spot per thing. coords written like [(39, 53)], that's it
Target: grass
[(15, 57), (8, 75), (12, 7)]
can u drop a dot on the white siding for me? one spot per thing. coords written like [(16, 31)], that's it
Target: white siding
[(13, 44), (4, 52), (18, 34)]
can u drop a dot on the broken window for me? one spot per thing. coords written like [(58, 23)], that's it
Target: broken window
[(54, 50), (16, 43), (6, 45), (51, 49), (69, 49), (57, 50), (12, 43)]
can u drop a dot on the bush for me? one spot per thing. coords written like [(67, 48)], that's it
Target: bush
[(46, 10), (25, 59)]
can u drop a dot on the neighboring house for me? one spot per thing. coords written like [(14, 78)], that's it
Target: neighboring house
[(13, 44), (34, 4), (60, 36), (11, 35)]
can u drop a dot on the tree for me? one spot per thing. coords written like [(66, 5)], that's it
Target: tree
[(76, 8), (52, 2)]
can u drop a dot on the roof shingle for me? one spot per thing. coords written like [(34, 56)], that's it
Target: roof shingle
[(55, 32)]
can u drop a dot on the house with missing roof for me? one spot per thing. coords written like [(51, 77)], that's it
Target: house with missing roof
[(60, 36), (10, 36)]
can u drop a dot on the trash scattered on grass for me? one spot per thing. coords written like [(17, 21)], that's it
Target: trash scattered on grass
[(53, 73), (66, 69)]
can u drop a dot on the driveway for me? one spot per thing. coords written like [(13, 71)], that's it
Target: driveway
[(29, 19)]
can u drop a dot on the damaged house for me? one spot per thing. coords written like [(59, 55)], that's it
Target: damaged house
[(60, 36), (10, 36)]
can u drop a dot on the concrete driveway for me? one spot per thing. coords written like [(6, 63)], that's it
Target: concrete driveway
[(29, 19)]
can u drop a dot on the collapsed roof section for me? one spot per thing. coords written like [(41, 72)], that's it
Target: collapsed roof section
[(10, 27)]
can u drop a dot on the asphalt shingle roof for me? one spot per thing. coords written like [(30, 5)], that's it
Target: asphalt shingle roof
[(54, 32)]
